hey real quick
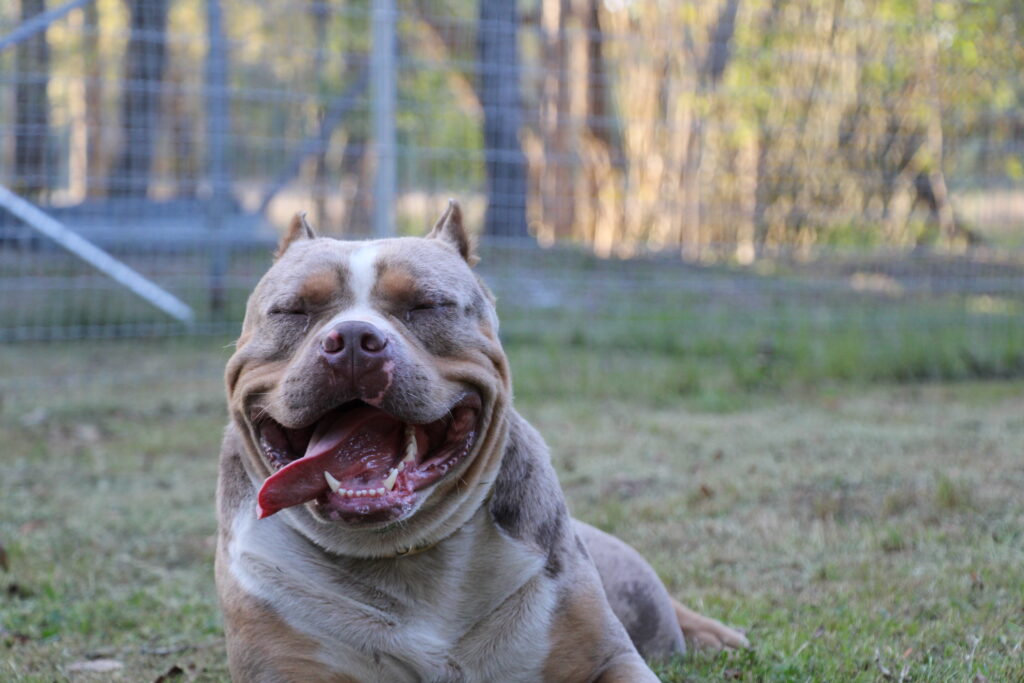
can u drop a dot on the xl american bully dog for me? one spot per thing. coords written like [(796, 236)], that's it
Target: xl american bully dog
[(385, 514)]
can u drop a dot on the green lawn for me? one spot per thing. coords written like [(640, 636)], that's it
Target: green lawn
[(853, 528)]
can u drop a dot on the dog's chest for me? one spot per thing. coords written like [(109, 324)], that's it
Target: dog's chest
[(476, 607)]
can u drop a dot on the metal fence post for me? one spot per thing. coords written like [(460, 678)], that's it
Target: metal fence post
[(382, 76)]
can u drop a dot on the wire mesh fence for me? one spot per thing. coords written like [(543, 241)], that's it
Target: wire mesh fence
[(821, 187)]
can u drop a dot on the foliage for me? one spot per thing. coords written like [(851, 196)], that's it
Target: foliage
[(681, 126)]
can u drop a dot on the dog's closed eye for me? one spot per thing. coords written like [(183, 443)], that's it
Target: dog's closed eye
[(287, 310), (428, 307)]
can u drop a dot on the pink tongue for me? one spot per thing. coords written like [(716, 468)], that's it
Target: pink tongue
[(357, 441)]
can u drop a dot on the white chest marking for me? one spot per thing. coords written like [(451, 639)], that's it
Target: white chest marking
[(436, 623)]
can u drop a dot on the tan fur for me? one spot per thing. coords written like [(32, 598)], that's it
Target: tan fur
[(261, 646), (245, 374), (395, 284), (705, 632), (626, 668), (584, 642), (318, 288)]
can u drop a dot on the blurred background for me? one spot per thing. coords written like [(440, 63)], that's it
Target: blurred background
[(759, 266), (827, 188)]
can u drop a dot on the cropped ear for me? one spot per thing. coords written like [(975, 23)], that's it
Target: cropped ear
[(298, 229), (449, 229)]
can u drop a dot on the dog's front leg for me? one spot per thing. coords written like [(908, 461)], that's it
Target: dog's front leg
[(627, 668), (588, 643)]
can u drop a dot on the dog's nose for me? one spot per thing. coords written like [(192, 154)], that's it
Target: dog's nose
[(357, 354), (356, 336)]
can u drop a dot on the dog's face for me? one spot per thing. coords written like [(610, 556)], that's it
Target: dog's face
[(369, 387)]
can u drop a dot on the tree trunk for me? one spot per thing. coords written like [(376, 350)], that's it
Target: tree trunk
[(357, 173), (96, 155), (319, 18), (31, 118), (597, 207), (145, 61), (940, 206), (498, 56), (711, 70), (557, 173)]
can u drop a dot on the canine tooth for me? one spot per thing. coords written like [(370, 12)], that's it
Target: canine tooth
[(331, 481), (389, 483), (410, 444)]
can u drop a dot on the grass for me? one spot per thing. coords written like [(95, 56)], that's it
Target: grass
[(819, 466), (852, 528)]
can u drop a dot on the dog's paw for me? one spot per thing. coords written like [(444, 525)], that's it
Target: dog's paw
[(705, 633), (714, 635)]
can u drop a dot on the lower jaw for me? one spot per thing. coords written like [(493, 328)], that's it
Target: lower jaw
[(400, 502), (367, 511)]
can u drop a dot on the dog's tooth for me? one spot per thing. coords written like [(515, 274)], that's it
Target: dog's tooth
[(389, 483), (410, 444), (380, 492), (331, 481)]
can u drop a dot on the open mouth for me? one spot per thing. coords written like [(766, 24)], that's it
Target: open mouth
[(360, 464)]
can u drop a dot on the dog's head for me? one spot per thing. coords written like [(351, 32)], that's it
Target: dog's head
[(370, 388)]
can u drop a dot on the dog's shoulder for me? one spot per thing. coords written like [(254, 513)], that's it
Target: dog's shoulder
[(527, 502)]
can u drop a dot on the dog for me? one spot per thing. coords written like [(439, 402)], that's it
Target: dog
[(384, 512)]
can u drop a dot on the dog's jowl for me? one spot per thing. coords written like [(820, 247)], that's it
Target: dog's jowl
[(384, 512)]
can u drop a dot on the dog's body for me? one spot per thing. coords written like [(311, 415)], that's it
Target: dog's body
[(458, 562)]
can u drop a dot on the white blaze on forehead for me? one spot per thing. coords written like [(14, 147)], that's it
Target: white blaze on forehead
[(362, 278), (362, 274)]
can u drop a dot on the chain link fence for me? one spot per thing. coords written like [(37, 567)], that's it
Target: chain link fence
[(816, 187)]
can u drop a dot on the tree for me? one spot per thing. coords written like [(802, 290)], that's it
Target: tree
[(498, 85), (145, 63), (557, 173), (32, 121)]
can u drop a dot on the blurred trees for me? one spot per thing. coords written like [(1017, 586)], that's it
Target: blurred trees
[(751, 124), (714, 129)]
